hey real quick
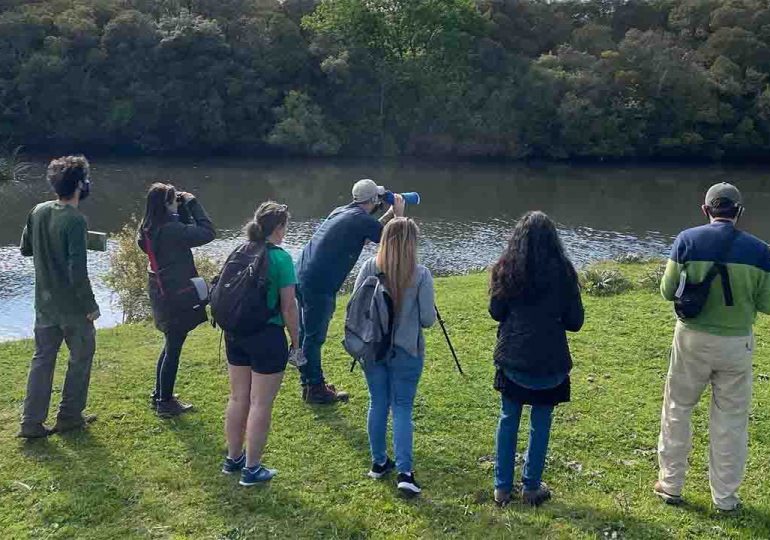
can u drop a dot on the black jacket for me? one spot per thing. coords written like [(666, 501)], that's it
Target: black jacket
[(172, 244), (531, 337)]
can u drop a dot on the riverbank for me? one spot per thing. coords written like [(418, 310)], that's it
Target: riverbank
[(135, 476)]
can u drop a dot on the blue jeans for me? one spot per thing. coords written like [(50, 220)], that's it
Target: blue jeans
[(392, 387), (507, 433), (315, 313)]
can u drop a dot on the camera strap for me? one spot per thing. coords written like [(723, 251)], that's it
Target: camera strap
[(153, 262), (721, 266)]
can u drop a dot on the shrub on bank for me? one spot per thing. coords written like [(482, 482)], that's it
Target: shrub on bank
[(650, 281), (127, 275), (12, 167), (604, 281)]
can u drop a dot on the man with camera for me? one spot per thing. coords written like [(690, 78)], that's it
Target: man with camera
[(55, 236), (323, 266), (718, 277)]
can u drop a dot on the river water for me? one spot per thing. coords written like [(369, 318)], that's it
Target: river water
[(466, 214)]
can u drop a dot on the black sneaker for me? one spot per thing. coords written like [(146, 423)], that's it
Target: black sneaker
[(36, 431), (408, 485), (64, 425), (378, 471), (232, 466)]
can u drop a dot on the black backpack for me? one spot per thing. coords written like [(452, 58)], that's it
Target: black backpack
[(690, 304), (239, 292)]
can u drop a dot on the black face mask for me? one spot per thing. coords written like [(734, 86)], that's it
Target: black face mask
[(85, 190)]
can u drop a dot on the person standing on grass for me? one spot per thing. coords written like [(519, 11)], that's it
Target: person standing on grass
[(174, 222), (323, 266), (393, 381), (715, 347), (535, 296), (256, 362), (55, 236)]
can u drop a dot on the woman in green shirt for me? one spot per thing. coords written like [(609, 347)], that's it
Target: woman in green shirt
[(257, 361)]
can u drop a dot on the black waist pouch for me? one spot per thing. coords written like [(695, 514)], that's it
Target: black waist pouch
[(690, 304), (695, 295)]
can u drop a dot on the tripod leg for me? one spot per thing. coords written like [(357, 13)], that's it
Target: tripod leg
[(449, 341)]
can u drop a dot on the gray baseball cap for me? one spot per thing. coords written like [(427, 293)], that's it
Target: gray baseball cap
[(366, 190), (723, 192)]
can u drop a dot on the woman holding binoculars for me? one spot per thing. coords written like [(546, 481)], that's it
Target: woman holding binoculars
[(174, 222)]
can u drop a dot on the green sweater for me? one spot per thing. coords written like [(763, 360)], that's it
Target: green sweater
[(56, 238)]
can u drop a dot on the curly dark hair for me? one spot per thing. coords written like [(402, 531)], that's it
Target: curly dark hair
[(534, 252), (65, 174)]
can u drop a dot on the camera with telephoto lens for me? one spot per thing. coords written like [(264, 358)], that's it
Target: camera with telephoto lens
[(410, 197)]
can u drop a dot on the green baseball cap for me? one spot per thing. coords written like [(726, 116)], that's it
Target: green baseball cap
[(723, 194)]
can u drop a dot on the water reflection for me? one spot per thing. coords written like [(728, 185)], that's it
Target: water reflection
[(466, 216)]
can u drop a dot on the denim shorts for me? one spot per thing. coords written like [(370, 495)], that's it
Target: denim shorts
[(265, 352)]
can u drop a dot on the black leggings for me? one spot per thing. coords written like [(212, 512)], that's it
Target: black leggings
[(168, 364)]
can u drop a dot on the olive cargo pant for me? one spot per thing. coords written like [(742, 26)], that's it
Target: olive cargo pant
[(698, 359), (81, 342)]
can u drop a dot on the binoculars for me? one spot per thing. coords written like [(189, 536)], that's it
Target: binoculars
[(409, 198)]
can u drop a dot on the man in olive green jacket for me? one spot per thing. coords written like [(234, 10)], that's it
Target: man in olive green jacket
[(55, 236)]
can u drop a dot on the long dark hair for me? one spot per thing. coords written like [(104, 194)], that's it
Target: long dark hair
[(156, 211), (526, 267), (269, 216)]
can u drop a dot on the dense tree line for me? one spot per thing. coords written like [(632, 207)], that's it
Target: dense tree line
[(469, 78)]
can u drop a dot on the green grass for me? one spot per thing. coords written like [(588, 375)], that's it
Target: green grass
[(134, 476)]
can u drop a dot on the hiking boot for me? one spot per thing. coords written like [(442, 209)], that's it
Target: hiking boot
[(407, 485), (536, 497), (378, 471), (36, 431), (67, 424), (154, 400), (502, 498), (251, 476), (323, 394), (232, 466), (172, 407), (668, 498)]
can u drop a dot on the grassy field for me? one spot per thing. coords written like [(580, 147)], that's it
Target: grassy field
[(135, 476)]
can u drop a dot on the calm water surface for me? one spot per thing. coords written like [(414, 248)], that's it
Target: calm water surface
[(466, 215)]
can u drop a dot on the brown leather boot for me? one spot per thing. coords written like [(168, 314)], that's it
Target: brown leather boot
[(323, 394), (172, 407)]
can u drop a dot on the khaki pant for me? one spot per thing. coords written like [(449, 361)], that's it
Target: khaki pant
[(698, 359)]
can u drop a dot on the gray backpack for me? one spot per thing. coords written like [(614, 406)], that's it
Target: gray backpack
[(369, 322)]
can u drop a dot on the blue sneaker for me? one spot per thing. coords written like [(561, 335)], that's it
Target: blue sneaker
[(251, 476), (232, 466)]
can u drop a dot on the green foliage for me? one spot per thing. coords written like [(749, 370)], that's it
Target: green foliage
[(127, 275), (652, 278), (133, 475), (301, 128), (593, 79), (604, 282)]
